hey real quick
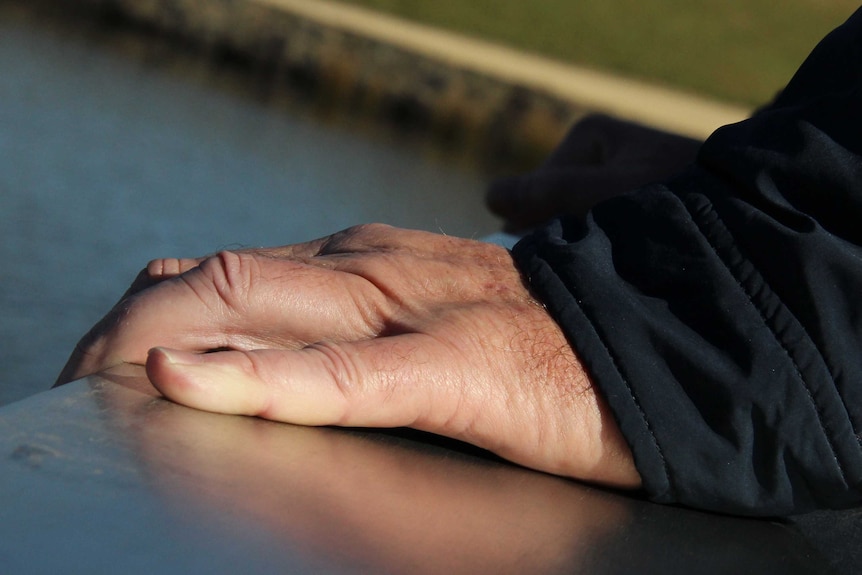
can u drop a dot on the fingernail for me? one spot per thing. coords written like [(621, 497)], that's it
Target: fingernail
[(177, 357), (203, 382)]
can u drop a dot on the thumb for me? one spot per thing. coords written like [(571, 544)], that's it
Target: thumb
[(372, 383), (530, 200)]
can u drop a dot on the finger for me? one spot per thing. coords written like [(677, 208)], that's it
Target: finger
[(236, 301), (599, 140), (527, 201), (161, 269), (356, 239), (156, 271), (520, 203), (376, 383), (410, 380), (353, 240), (586, 143), (166, 268), (381, 238)]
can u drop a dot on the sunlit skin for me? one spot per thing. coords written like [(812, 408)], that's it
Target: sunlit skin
[(373, 326), (381, 327)]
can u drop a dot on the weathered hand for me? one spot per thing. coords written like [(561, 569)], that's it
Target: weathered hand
[(599, 158), (374, 327)]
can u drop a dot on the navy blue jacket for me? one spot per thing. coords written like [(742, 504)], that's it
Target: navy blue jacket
[(720, 313)]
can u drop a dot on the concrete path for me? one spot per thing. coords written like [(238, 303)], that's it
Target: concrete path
[(624, 98)]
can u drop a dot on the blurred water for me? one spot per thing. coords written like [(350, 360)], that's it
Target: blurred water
[(108, 160)]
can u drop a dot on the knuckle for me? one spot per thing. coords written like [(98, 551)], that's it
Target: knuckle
[(232, 275), (359, 238), (345, 375), (370, 230)]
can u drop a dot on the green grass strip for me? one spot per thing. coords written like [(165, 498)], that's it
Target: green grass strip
[(735, 50)]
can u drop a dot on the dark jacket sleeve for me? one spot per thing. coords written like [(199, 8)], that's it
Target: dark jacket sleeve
[(720, 314)]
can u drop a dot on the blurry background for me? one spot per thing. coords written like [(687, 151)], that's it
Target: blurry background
[(119, 144), (116, 149), (735, 50)]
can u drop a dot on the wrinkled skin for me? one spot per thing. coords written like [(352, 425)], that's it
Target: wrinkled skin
[(381, 327), (373, 326), (599, 158)]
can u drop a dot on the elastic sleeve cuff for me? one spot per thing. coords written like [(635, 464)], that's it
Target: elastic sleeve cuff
[(707, 389)]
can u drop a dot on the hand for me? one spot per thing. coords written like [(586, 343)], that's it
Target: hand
[(599, 158), (370, 327)]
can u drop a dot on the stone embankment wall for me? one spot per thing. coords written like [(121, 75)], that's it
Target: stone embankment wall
[(501, 120), (508, 106)]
